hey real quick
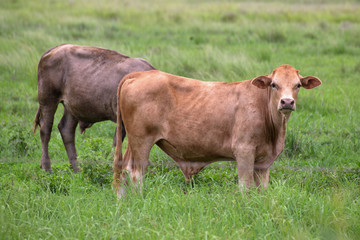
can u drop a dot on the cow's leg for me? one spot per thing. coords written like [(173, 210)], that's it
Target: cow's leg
[(67, 128), (46, 122), (120, 179), (140, 149), (245, 168), (261, 177), (135, 163)]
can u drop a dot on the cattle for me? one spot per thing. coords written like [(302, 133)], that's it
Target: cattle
[(85, 80), (197, 123)]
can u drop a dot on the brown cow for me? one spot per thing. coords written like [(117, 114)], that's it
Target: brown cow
[(197, 123), (85, 80)]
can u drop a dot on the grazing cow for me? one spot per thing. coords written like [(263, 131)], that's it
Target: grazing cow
[(85, 80), (197, 123)]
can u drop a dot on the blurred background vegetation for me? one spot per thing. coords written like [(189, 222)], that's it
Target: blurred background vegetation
[(314, 184)]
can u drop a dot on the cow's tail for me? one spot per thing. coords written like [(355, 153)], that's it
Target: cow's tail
[(118, 150), (37, 119), (118, 164)]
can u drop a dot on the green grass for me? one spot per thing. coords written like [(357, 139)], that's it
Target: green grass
[(314, 186)]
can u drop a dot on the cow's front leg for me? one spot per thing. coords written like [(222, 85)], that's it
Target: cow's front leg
[(261, 177), (245, 168)]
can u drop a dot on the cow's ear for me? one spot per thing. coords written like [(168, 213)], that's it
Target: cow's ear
[(310, 82), (262, 81)]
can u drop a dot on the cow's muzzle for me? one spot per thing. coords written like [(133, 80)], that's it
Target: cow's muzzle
[(287, 105)]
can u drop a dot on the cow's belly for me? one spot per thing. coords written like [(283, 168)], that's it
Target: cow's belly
[(88, 110), (90, 99), (193, 153)]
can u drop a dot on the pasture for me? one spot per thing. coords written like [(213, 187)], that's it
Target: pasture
[(314, 185)]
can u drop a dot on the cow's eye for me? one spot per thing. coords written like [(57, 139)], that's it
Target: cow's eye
[(273, 85), (299, 85)]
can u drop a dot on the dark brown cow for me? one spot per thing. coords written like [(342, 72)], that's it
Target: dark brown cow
[(197, 123), (85, 80)]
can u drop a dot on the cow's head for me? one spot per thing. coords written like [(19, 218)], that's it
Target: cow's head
[(284, 83)]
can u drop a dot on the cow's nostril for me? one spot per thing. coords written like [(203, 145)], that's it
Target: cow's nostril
[(282, 101), (292, 103)]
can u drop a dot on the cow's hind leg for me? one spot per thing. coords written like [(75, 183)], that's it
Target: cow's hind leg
[(261, 177), (46, 121), (134, 165), (67, 128), (120, 180)]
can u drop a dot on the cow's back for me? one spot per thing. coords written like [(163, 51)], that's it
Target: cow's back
[(85, 79)]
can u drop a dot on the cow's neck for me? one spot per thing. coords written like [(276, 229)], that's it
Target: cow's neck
[(276, 127)]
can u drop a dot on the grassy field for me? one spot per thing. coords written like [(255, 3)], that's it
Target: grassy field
[(314, 186)]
